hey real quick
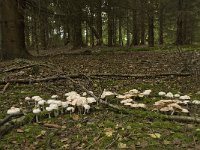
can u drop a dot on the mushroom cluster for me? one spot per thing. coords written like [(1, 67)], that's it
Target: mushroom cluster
[(129, 98), (171, 106), (73, 102)]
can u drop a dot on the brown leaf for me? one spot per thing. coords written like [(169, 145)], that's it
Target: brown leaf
[(20, 131), (75, 117), (52, 126)]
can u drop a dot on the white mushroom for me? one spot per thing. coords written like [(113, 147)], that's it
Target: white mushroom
[(138, 106), (91, 100), (106, 93), (146, 92), (55, 109), (185, 97), (54, 96), (13, 111), (42, 103), (64, 106), (86, 108), (169, 95), (162, 94), (84, 94), (36, 111), (70, 109), (177, 95), (49, 110)]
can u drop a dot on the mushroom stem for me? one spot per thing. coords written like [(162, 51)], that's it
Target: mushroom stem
[(49, 114), (36, 118)]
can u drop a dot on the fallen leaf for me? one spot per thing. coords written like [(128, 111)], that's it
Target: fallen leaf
[(20, 131), (108, 132), (155, 135), (121, 145), (52, 126), (75, 117)]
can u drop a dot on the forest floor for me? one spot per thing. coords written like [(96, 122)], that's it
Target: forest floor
[(104, 127)]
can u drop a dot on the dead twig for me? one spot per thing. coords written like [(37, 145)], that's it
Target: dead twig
[(5, 88)]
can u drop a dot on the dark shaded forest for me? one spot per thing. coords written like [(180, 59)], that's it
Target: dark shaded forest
[(99, 74), (39, 25)]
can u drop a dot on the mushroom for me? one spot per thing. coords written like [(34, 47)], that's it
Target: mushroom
[(106, 93), (13, 111), (84, 94), (169, 95), (36, 111), (177, 95), (54, 96), (64, 106), (146, 92), (28, 99), (86, 108), (49, 110), (42, 103), (185, 97), (71, 110), (91, 100), (162, 94), (55, 109), (138, 105)]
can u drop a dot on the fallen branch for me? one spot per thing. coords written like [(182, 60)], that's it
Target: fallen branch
[(183, 119), (92, 76), (9, 117), (5, 88)]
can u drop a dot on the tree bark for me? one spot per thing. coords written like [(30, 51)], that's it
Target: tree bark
[(179, 32), (161, 24), (99, 22), (13, 36), (110, 25)]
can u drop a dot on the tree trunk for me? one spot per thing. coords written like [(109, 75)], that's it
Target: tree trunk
[(13, 43), (110, 26), (0, 30), (179, 34), (161, 24), (135, 41), (142, 23), (151, 30), (99, 22), (120, 32), (127, 30)]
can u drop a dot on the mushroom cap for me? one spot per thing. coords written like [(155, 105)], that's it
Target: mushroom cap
[(27, 98), (106, 93), (134, 91), (169, 95), (91, 100), (166, 109), (161, 93), (54, 96), (138, 105), (36, 111), (36, 98), (71, 109), (147, 92), (42, 102), (197, 102), (127, 104), (177, 95), (13, 111), (84, 94), (185, 97), (49, 109), (86, 106), (71, 93), (54, 106), (64, 104)]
